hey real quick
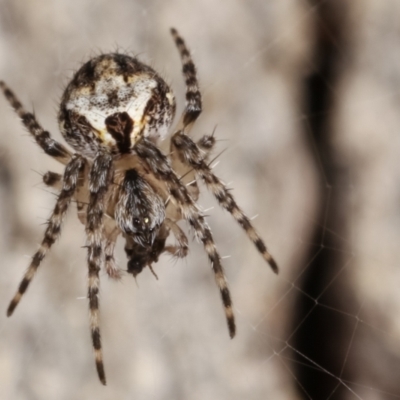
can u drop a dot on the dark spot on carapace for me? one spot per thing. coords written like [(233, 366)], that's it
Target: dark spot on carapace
[(120, 126)]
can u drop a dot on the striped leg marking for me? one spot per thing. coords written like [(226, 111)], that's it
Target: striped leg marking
[(53, 230), (100, 177), (193, 95), (192, 156), (158, 164), (110, 264), (42, 137)]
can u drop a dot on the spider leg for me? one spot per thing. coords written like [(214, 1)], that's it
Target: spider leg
[(193, 96), (42, 137), (191, 155), (53, 230), (54, 180), (100, 177), (188, 177), (181, 249), (111, 232), (158, 164), (111, 235)]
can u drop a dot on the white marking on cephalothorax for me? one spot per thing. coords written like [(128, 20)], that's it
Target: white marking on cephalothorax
[(131, 97)]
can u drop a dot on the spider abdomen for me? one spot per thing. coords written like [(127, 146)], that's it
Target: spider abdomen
[(112, 101)]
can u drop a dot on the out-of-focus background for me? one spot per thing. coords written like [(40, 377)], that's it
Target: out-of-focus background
[(305, 97)]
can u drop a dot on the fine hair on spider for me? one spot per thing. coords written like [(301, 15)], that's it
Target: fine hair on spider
[(113, 113)]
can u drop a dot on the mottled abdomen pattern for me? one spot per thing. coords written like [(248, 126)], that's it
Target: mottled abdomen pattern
[(112, 101)]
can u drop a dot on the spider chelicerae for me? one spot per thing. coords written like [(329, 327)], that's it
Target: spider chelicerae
[(113, 113)]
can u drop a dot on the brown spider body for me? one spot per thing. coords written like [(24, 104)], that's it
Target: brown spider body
[(113, 113)]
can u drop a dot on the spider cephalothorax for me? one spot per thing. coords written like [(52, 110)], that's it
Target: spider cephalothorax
[(113, 113)]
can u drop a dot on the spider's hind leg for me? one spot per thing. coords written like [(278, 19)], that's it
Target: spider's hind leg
[(53, 230), (190, 154)]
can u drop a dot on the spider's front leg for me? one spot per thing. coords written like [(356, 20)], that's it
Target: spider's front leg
[(69, 185), (42, 137), (191, 155), (100, 177)]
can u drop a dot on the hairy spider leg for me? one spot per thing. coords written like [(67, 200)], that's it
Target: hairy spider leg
[(54, 180), (190, 153), (181, 249), (158, 164), (100, 177), (193, 96), (53, 230), (192, 156), (110, 264), (111, 231), (42, 137), (188, 176)]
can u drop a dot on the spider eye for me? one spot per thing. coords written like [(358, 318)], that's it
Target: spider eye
[(136, 221)]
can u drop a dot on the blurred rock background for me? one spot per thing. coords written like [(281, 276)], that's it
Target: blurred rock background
[(305, 98)]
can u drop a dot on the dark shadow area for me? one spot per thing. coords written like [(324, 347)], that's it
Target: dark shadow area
[(321, 332)]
